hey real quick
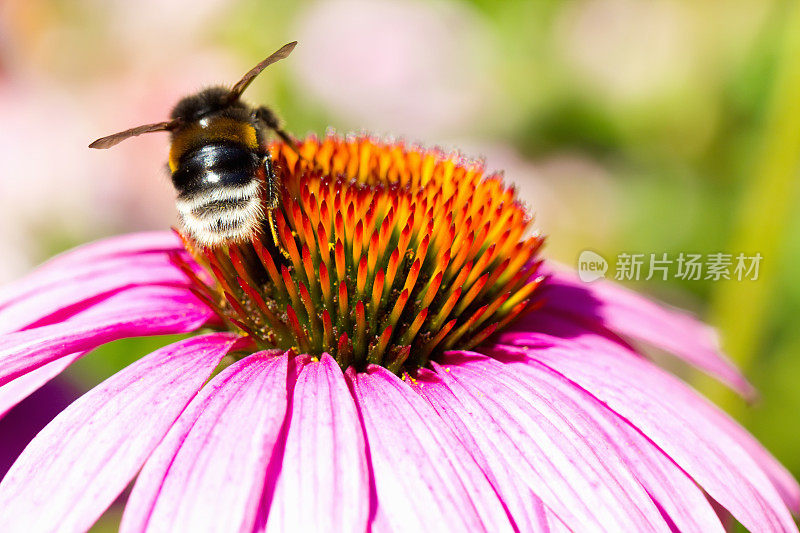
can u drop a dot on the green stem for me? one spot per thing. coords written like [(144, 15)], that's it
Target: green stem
[(739, 308)]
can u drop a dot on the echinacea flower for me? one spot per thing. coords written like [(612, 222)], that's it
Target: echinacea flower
[(403, 360)]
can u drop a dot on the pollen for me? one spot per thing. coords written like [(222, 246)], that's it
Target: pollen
[(387, 254)]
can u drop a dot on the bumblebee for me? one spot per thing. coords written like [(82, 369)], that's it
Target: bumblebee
[(218, 158)]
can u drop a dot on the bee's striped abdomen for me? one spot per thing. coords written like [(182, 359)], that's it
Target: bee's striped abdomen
[(219, 192)]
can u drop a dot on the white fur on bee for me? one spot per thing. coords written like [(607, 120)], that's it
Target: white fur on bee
[(221, 194), (237, 217)]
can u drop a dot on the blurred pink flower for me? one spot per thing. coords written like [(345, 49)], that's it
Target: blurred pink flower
[(629, 50), (553, 423), (54, 190), (396, 66)]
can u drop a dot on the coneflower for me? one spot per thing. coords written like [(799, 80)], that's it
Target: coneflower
[(388, 257), (400, 359)]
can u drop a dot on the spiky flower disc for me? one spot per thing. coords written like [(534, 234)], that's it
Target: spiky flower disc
[(388, 255)]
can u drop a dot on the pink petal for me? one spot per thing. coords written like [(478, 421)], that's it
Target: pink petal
[(72, 292), (605, 304), (137, 312), (324, 455), (681, 502), (422, 474), (546, 434), (554, 524), (783, 481), (20, 388), (526, 509), (208, 473), (104, 255), (677, 496), (685, 425), (159, 242), (75, 468)]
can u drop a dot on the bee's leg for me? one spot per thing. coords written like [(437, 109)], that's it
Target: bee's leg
[(273, 183), (271, 121), (273, 201), (271, 219)]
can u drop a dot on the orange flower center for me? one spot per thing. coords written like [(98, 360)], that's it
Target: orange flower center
[(391, 255)]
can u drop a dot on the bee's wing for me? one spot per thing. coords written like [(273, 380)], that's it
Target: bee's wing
[(111, 140), (242, 84)]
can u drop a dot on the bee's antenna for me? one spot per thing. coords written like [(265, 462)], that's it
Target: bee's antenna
[(112, 140), (242, 84)]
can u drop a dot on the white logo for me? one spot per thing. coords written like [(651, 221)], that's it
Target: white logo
[(591, 266)]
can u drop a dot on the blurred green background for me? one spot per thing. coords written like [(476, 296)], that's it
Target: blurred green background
[(628, 126)]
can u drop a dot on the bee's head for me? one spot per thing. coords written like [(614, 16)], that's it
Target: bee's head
[(206, 102)]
